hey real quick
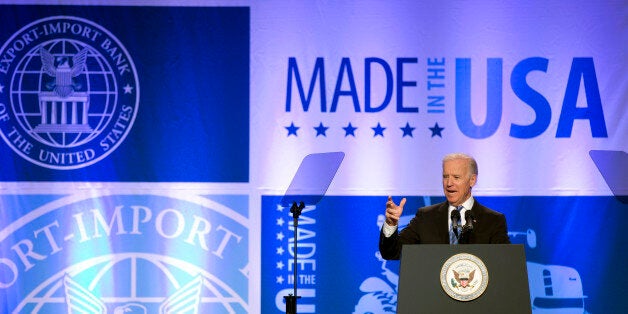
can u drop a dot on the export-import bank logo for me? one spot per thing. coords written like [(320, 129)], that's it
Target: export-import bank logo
[(69, 92), (119, 253)]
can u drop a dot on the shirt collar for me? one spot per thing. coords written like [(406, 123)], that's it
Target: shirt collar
[(468, 204)]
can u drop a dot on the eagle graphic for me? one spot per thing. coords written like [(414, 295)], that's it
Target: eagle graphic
[(185, 300), (463, 279), (63, 73)]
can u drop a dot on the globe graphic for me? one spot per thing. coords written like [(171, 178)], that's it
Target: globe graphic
[(96, 82), (141, 280)]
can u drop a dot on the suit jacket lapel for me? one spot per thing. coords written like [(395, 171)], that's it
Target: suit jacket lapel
[(476, 210)]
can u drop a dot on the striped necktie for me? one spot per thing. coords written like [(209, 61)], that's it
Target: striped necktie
[(455, 234)]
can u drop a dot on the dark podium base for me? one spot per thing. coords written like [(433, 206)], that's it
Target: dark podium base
[(420, 290)]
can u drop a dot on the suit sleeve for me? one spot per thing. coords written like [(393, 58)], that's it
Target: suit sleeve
[(390, 247)]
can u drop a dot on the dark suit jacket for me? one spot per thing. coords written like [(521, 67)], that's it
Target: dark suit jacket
[(429, 226)]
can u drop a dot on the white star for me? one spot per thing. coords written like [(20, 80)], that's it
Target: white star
[(280, 265), (1, 88), (279, 208), (280, 221), (280, 251), (128, 89), (279, 279), (280, 236)]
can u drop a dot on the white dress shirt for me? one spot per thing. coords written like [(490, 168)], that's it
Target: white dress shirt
[(467, 205)]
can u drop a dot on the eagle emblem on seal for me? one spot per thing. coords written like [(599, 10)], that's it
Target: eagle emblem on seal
[(462, 279), (63, 73)]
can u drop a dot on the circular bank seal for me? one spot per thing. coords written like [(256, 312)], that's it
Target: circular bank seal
[(69, 92), (464, 277)]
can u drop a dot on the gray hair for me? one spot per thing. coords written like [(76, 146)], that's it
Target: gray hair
[(473, 165)]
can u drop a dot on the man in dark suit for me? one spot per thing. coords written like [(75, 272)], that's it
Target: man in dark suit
[(433, 224)]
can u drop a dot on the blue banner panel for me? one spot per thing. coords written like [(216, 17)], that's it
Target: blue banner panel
[(571, 250), (117, 253), (103, 93)]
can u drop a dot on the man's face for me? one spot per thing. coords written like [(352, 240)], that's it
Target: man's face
[(457, 181)]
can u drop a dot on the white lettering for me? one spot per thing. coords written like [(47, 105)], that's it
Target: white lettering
[(136, 217), (24, 255), (225, 240), (180, 223), (12, 268), (246, 270), (51, 240), (4, 116), (81, 225), (100, 220), (197, 231)]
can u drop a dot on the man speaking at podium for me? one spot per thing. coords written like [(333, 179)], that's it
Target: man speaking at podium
[(459, 220)]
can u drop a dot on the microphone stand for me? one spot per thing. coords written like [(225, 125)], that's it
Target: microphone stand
[(467, 229), (291, 299)]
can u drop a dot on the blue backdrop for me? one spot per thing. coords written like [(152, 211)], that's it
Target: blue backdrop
[(348, 250)]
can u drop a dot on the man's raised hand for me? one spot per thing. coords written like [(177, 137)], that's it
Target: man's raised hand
[(393, 211)]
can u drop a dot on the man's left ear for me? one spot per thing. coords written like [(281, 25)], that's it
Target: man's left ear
[(474, 179)]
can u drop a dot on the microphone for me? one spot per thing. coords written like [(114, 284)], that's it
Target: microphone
[(455, 220), (468, 217), (467, 228)]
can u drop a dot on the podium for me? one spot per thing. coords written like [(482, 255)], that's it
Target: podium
[(439, 278)]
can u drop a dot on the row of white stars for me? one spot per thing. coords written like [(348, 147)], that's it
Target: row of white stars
[(280, 236)]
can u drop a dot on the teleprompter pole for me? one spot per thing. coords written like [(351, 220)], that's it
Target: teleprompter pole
[(291, 299)]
